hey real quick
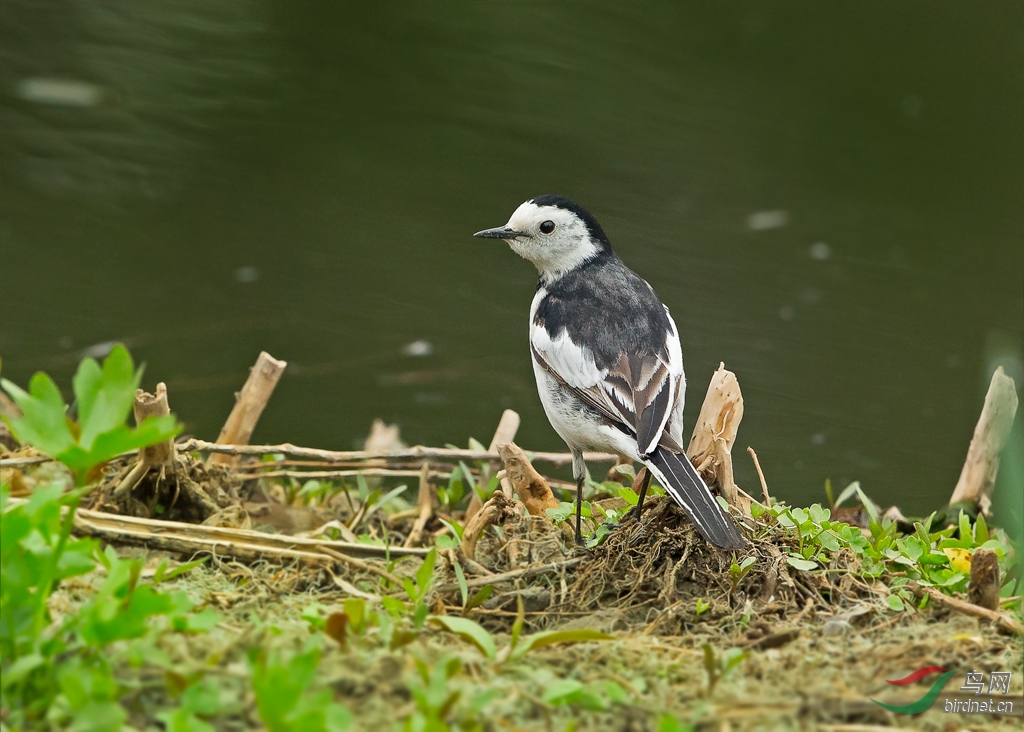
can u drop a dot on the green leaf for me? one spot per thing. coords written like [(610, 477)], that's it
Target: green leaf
[(668, 723), (561, 690), (547, 638), (981, 534), (846, 493), (279, 687), (43, 423), (468, 476), (966, 533), (469, 630), (828, 540), (454, 526), (107, 397), (615, 692), (818, 514), (202, 697), (460, 577), (21, 668), (163, 575), (480, 597), (202, 621), (122, 438), (628, 495), (425, 574), (803, 565), (868, 504), (99, 716), (895, 603)]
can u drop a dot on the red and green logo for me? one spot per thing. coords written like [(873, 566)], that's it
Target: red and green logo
[(929, 697)]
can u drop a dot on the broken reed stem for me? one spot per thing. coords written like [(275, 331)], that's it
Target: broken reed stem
[(254, 472), (508, 425), (533, 489), (412, 453), (131, 479), (426, 508), (990, 435), (155, 456), (714, 433), (154, 405), (252, 399), (20, 462), (760, 476), (239, 543), (367, 472)]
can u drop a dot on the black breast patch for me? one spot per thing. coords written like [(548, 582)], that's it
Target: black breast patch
[(606, 308)]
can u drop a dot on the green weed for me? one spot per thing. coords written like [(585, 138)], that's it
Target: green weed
[(56, 672)]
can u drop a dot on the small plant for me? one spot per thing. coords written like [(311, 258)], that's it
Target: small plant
[(283, 698), (611, 517), (199, 702), (702, 607), (104, 396), (478, 598), (517, 646), (938, 558), (37, 553), (737, 571), (717, 667)]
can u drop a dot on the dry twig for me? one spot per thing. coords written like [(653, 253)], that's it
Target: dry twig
[(760, 476), (419, 452), (508, 425), (1004, 622), (497, 509), (426, 508), (252, 399), (531, 486)]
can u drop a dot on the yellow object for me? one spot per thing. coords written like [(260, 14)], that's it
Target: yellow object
[(960, 559)]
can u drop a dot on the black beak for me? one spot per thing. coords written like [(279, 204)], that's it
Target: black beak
[(502, 232)]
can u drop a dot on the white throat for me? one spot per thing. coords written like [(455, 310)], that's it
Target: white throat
[(551, 265)]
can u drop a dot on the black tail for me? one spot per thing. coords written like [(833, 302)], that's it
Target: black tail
[(684, 484)]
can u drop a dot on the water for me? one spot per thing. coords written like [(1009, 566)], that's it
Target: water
[(829, 203)]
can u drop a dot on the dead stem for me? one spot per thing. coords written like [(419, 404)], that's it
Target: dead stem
[(760, 476), (417, 452)]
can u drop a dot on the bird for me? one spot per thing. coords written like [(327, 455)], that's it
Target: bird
[(607, 358)]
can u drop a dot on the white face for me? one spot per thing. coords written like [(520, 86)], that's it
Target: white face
[(554, 239)]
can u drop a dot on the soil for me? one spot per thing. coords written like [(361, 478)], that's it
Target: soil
[(819, 646)]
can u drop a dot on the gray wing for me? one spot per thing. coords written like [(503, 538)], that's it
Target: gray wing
[(637, 392)]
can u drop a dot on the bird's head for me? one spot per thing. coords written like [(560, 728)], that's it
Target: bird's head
[(554, 233)]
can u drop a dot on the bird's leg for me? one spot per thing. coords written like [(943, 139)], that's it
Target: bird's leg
[(579, 471), (579, 513), (643, 493)]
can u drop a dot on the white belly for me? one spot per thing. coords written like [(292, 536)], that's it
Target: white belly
[(575, 423)]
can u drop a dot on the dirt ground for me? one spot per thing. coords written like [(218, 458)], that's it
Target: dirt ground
[(809, 651)]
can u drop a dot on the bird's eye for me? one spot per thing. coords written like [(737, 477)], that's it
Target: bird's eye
[(547, 227)]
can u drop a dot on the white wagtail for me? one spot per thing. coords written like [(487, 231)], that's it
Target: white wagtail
[(607, 358)]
